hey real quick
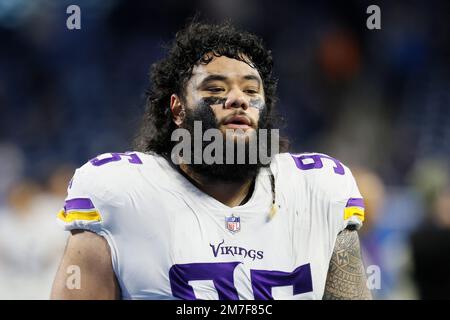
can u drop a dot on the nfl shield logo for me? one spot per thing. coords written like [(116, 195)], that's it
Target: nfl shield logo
[(233, 224)]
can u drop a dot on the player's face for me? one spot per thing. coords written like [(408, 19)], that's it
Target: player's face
[(225, 94), (232, 89)]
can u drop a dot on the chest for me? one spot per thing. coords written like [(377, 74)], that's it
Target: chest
[(191, 252)]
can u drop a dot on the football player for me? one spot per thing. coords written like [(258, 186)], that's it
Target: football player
[(144, 226)]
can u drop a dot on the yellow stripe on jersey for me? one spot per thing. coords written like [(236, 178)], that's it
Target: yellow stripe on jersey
[(70, 216), (354, 211)]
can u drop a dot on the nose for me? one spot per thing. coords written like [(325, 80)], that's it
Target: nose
[(236, 99)]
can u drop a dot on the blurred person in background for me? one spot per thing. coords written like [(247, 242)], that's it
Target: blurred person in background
[(430, 244), (30, 241), (12, 167)]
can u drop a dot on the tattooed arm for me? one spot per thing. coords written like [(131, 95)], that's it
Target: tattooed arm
[(346, 278)]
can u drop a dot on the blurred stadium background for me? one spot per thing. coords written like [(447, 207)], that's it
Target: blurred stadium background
[(377, 100)]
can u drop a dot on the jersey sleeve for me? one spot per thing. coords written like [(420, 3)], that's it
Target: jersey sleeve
[(334, 189), (79, 211), (92, 201), (95, 202)]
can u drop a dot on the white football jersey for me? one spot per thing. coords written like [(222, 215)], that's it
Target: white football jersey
[(169, 240)]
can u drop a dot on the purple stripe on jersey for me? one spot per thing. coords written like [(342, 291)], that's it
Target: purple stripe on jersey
[(79, 203), (355, 202)]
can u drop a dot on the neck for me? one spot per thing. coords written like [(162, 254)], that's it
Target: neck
[(231, 194)]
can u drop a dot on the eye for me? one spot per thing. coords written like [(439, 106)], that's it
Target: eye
[(215, 89), (251, 91)]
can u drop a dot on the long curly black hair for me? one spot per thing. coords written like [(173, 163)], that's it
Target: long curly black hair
[(170, 75)]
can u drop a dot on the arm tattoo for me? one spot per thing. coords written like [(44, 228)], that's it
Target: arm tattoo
[(346, 278)]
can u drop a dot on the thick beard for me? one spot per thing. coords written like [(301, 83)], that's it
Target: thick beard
[(223, 172)]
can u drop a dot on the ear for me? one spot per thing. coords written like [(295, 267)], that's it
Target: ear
[(177, 109)]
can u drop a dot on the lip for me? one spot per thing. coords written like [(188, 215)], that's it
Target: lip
[(238, 120), (237, 126)]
